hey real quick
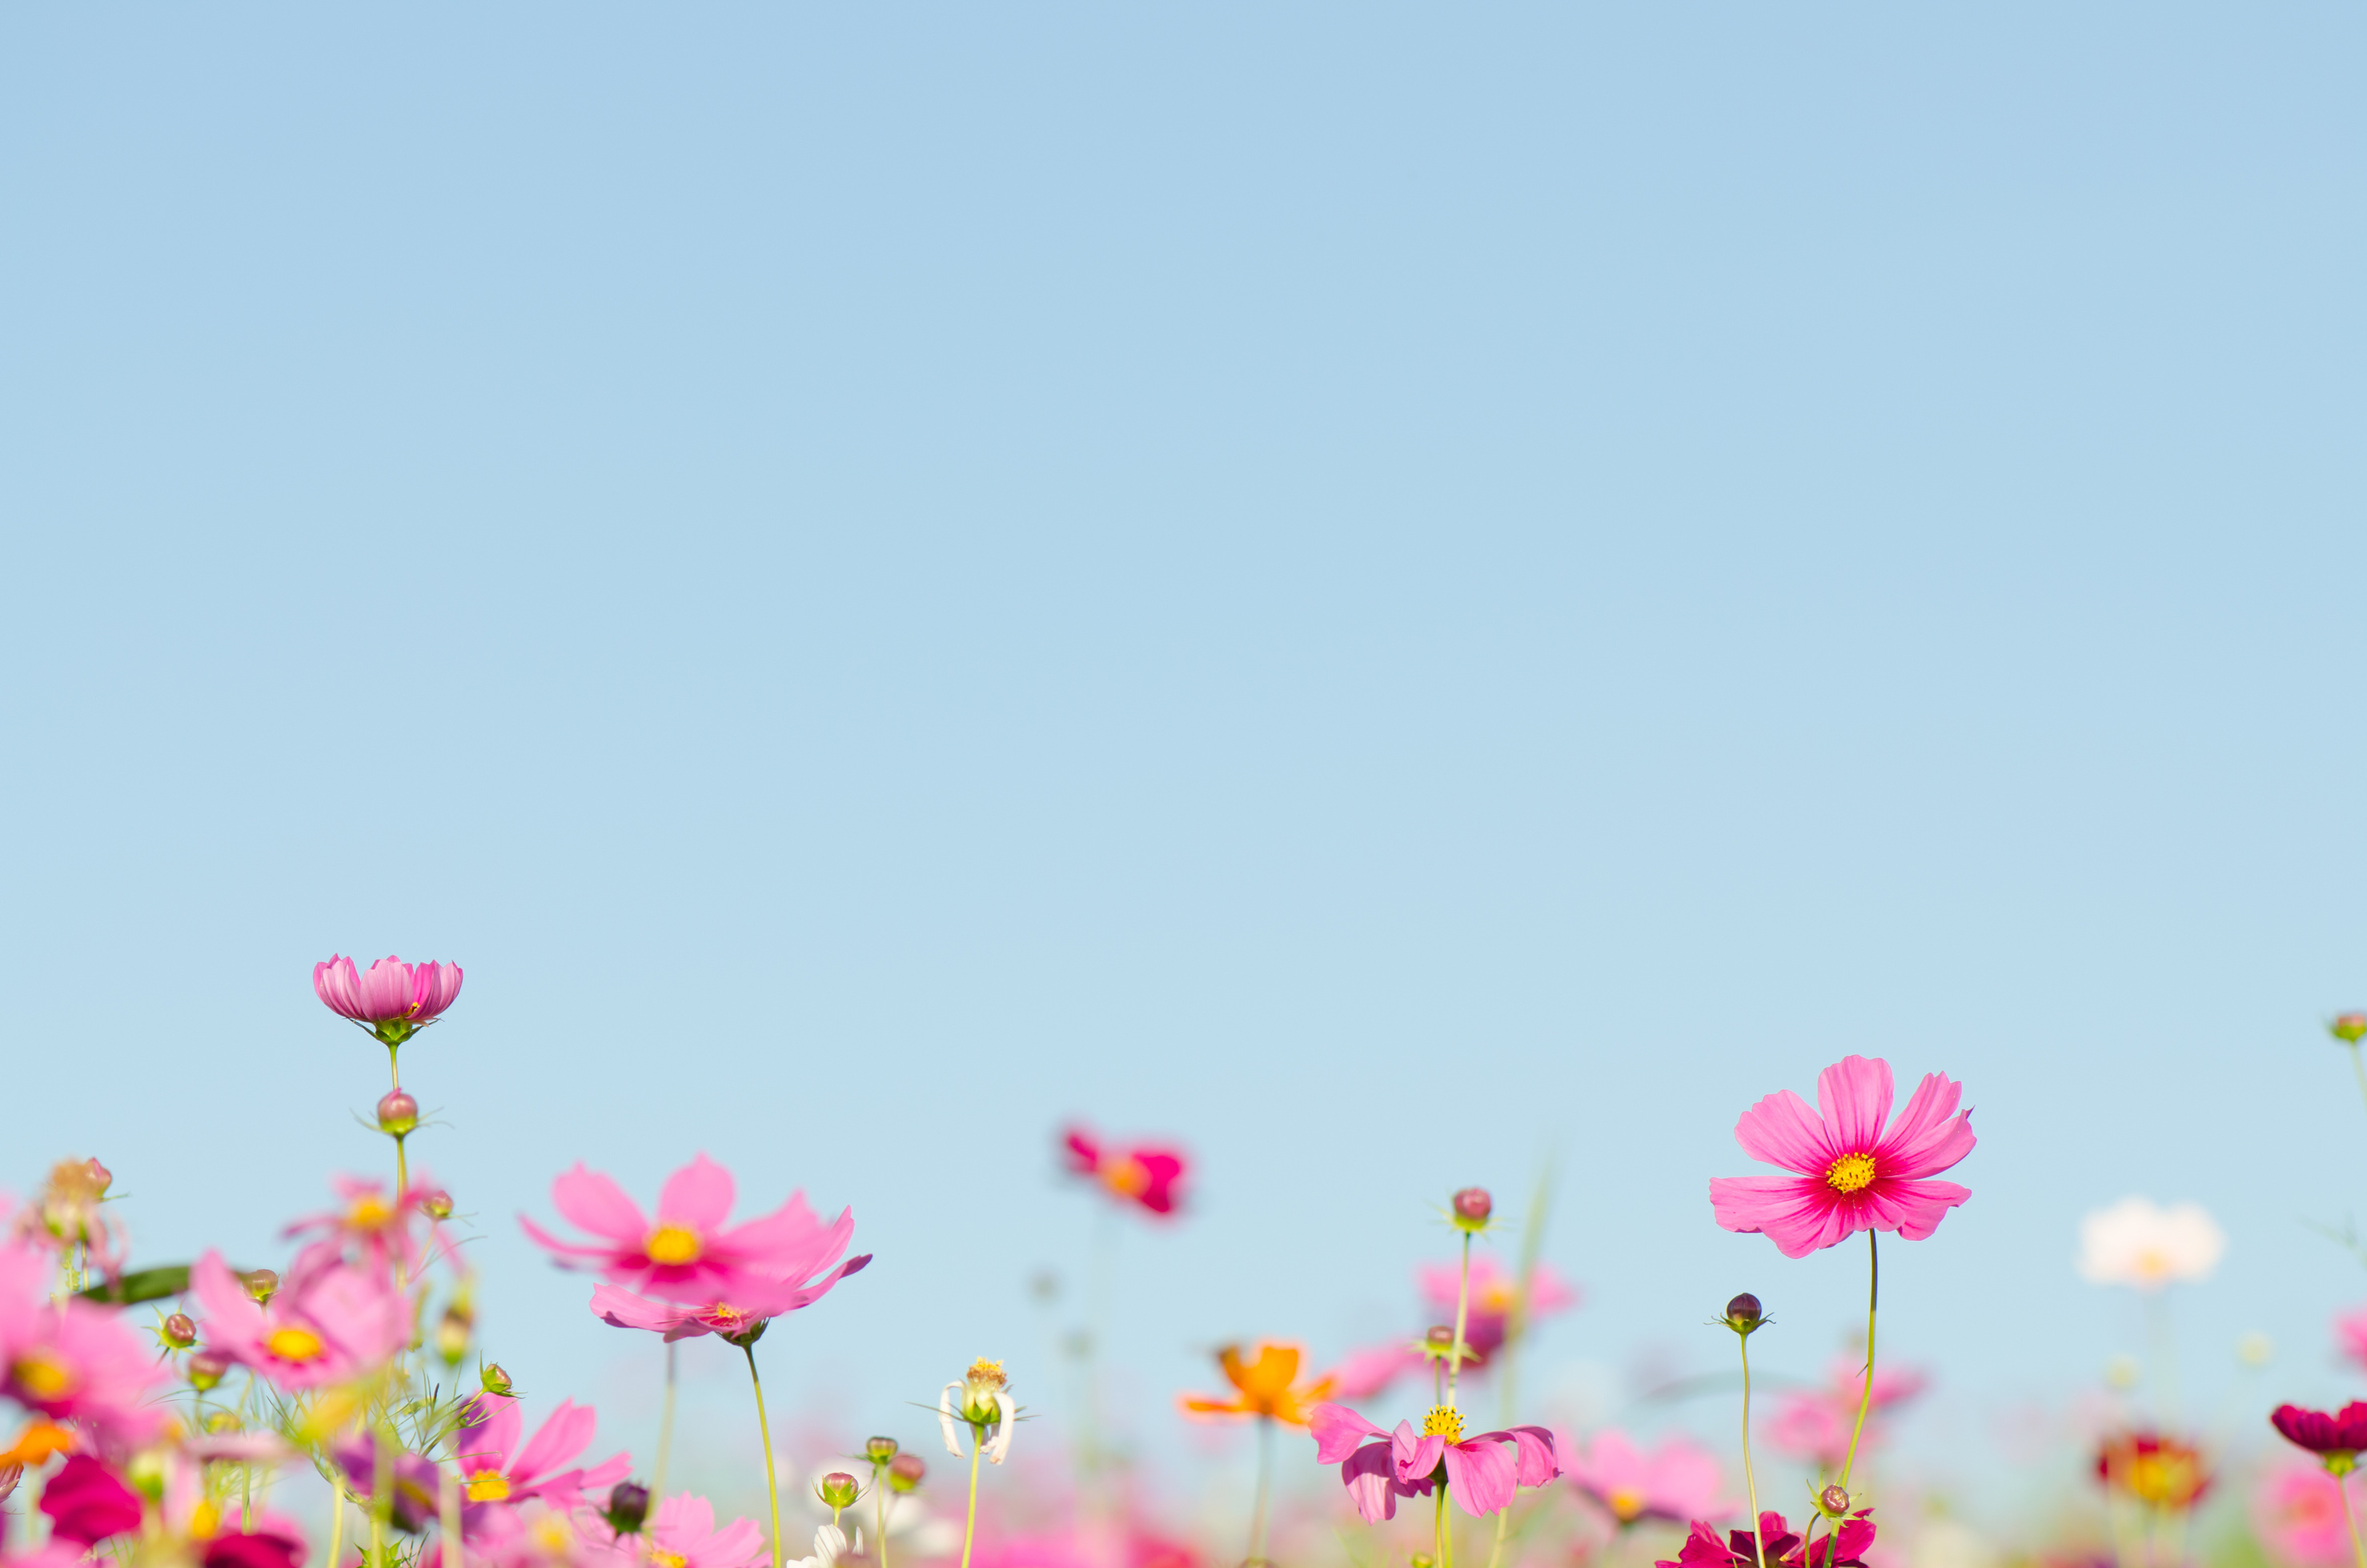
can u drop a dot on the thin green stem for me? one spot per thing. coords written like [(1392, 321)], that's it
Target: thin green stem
[(1503, 1517), (969, 1526), (879, 1511), (772, 1481), (393, 1072), (1750, 1480), (1462, 1317), (2342, 1485), (1442, 1534), (337, 1524), (381, 1496), (1873, 1296), (666, 1437), (2358, 1067), (1264, 1483)]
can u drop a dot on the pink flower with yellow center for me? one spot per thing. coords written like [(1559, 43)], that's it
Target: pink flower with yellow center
[(73, 1361), (395, 1001), (370, 1223), (1495, 1293), (1853, 1175), (1817, 1424), (329, 1323), (752, 1304), (496, 1467), (1145, 1175), (684, 1536), (688, 1254), (1482, 1472), (1676, 1480)]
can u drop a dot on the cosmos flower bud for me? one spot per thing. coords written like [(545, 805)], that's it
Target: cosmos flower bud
[(452, 1336), (837, 1490), (879, 1451), (629, 1505), (101, 1178), (2349, 1027), (208, 1368), (495, 1379), (179, 1331), (437, 1204), (262, 1284), (1834, 1502), (397, 1114), (905, 1472), (1472, 1207), (1743, 1315)]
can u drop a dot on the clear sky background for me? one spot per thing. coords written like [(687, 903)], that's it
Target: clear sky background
[(1384, 589)]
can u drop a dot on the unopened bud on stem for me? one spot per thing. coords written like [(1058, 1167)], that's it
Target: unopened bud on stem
[(495, 1379), (879, 1451), (397, 1114), (1743, 1315), (262, 1284), (1834, 1502), (837, 1490), (1472, 1207), (208, 1368), (2349, 1027), (179, 1331), (629, 1505), (437, 1204), (905, 1471)]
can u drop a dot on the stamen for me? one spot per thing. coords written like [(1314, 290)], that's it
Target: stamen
[(1851, 1173)]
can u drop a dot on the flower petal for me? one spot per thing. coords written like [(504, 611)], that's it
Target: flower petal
[(1854, 1095), (1337, 1430), (1913, 1209), (590, 1200), (1800, 1214), (1782, 1129), (1367, 1476), (946, 1420), (1479, 1476), (1924, 1141), (697, 1197)]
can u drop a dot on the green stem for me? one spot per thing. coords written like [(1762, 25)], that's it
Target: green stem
[(381, 1496), (879, 1490), (1462, 1315), (1504, 1516), (969, 1526), (1750, 1480), (1873, 1295), (1442, 1534), (1264, 1478), (392, 1072), (764, 1427), (2358, 1067), (2342, 1485), (665, 1435)]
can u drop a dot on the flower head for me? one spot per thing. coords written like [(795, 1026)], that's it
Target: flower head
[(982, 1402), (2337, 1439), (684, 1536), (1853, 1176), (499, 1464), (1495, 1299), (1844, 1548), (78, 1361), (1262, 1384), (2154, 1470), (87, 1502), (369, 1224), (1378, 1466), (1676, 1480), (395, 1001), (688, 1254), (740, 1317), (1146, 1175), (68, 1213), (2138, 1243), (331, 1324), (2297, 1514)]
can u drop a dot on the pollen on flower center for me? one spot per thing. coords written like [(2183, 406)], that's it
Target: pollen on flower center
[(673, 1244), (665, 1559), (489, 1486), (1127, 1178), (1627, 1503), (205, 1520), (42, 1375), (293, 1344), (1851, 1173), (1440, 1421), (370, 1211)]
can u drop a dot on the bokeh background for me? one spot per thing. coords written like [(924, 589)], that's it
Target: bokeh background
[(1396, 592)]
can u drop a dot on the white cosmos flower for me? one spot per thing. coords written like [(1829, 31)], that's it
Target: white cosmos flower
[(829, 1545), (981, 1402), (2138, 1243)]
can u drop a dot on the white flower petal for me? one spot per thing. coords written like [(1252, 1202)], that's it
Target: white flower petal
[(946, 1419), (1002, 1427)]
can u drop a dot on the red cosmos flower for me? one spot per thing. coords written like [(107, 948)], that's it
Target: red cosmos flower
[(2159, 1471), (86, 1502), (2336, 1438), (1147, 1174), (1740, 1548)]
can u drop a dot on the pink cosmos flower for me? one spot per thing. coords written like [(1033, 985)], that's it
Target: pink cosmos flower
[(76, 1362), (1815, 1423), (1852, 1175), (538, 1535), (393, 999), (368, 1224), (86, 1502), (329, 1322), (1494, 1290), (1676, 1480), (688, 1256), (1147, 1175), (754, 1304), (207, 1534), (684, 1536), (2351, 1335), (1480, 1477), (496, 1468), (1363, 1373), (2297, 1513), (1740, 1548)]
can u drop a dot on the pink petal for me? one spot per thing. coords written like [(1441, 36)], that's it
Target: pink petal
[(1924, 1141), (1416, 1457), (433, 987), (566, 1433), (683, 1521), (566, 1249), (232, 1320), (743, 1541), (387, 989), (339, 987), (1782, 1131), (1914, 1209), (1338, 1430), (697, 1197), (1854, 1095), (788, 1243), (1367, 1476), (1479, 1476), (492, 1437), (1800, 1214), (619, 1308), (1539, 1458), (590, 1200)]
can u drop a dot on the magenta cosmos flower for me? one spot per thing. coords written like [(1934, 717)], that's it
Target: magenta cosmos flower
[(395, 1001), (2336, 1438), (328, 1323), (1676, 1480), (496, 1466), (77, 1362), (1146, 1175), (1494, 1291), (1844, 1548), (1479, 1474), (686, 1254), (1853, 1176), (684, 1536), (739, 1318)]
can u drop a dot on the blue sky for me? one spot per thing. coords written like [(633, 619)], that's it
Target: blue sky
[(1386, 590)]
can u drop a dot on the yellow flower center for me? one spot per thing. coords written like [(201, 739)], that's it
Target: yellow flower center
[(1127, 1178), (666, 1559), (724, 1312), (370, 1212), (1851, 1173), (293, 1344), (1628, 1504), (42, 1375), (986, 1376), (489, 1486), (673, 1244), (1440, 1421)]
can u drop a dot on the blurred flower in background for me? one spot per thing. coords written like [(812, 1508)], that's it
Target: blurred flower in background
[(1148, 1175), (1675, 1481), (2139, 1243), (1814, 1424), (2297, 1511)]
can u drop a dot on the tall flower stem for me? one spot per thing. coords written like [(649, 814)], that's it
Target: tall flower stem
[(2342, 1485), (381, 1495), (2358, 1067), (1749, 1479), (880, 1512), (337, 1524), (1873, 1296), (1442, 1540), (969, 1524), (765, 1428), (447, 1505), (1462, 1317), (665, 1432), (1503, 1517), (1264, 1482)]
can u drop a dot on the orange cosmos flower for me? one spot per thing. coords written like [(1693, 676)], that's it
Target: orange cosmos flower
[(1263, 1384)]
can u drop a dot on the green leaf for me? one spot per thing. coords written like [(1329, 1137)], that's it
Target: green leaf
[(141, 1285)]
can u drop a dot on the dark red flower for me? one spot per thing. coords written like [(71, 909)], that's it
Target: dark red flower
[(1147, 1174), (2153, 1469), (262, 1549), (1843, 1549), (86, 1502), (2344, 1432)]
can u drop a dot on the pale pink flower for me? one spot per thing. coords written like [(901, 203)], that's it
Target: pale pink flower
[(1494, 1291), (688, 1255), (2351, 1335), (1676, 1480), (2297, 1513), (496, 1467), (329, 1322), (393, 999), (70, 1214), (1814, 1424), (1363, 1373), (684, 1536), (1853, 1176), (1480, 1476), (370, 1224), (753, 1303), (77, 1360)]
